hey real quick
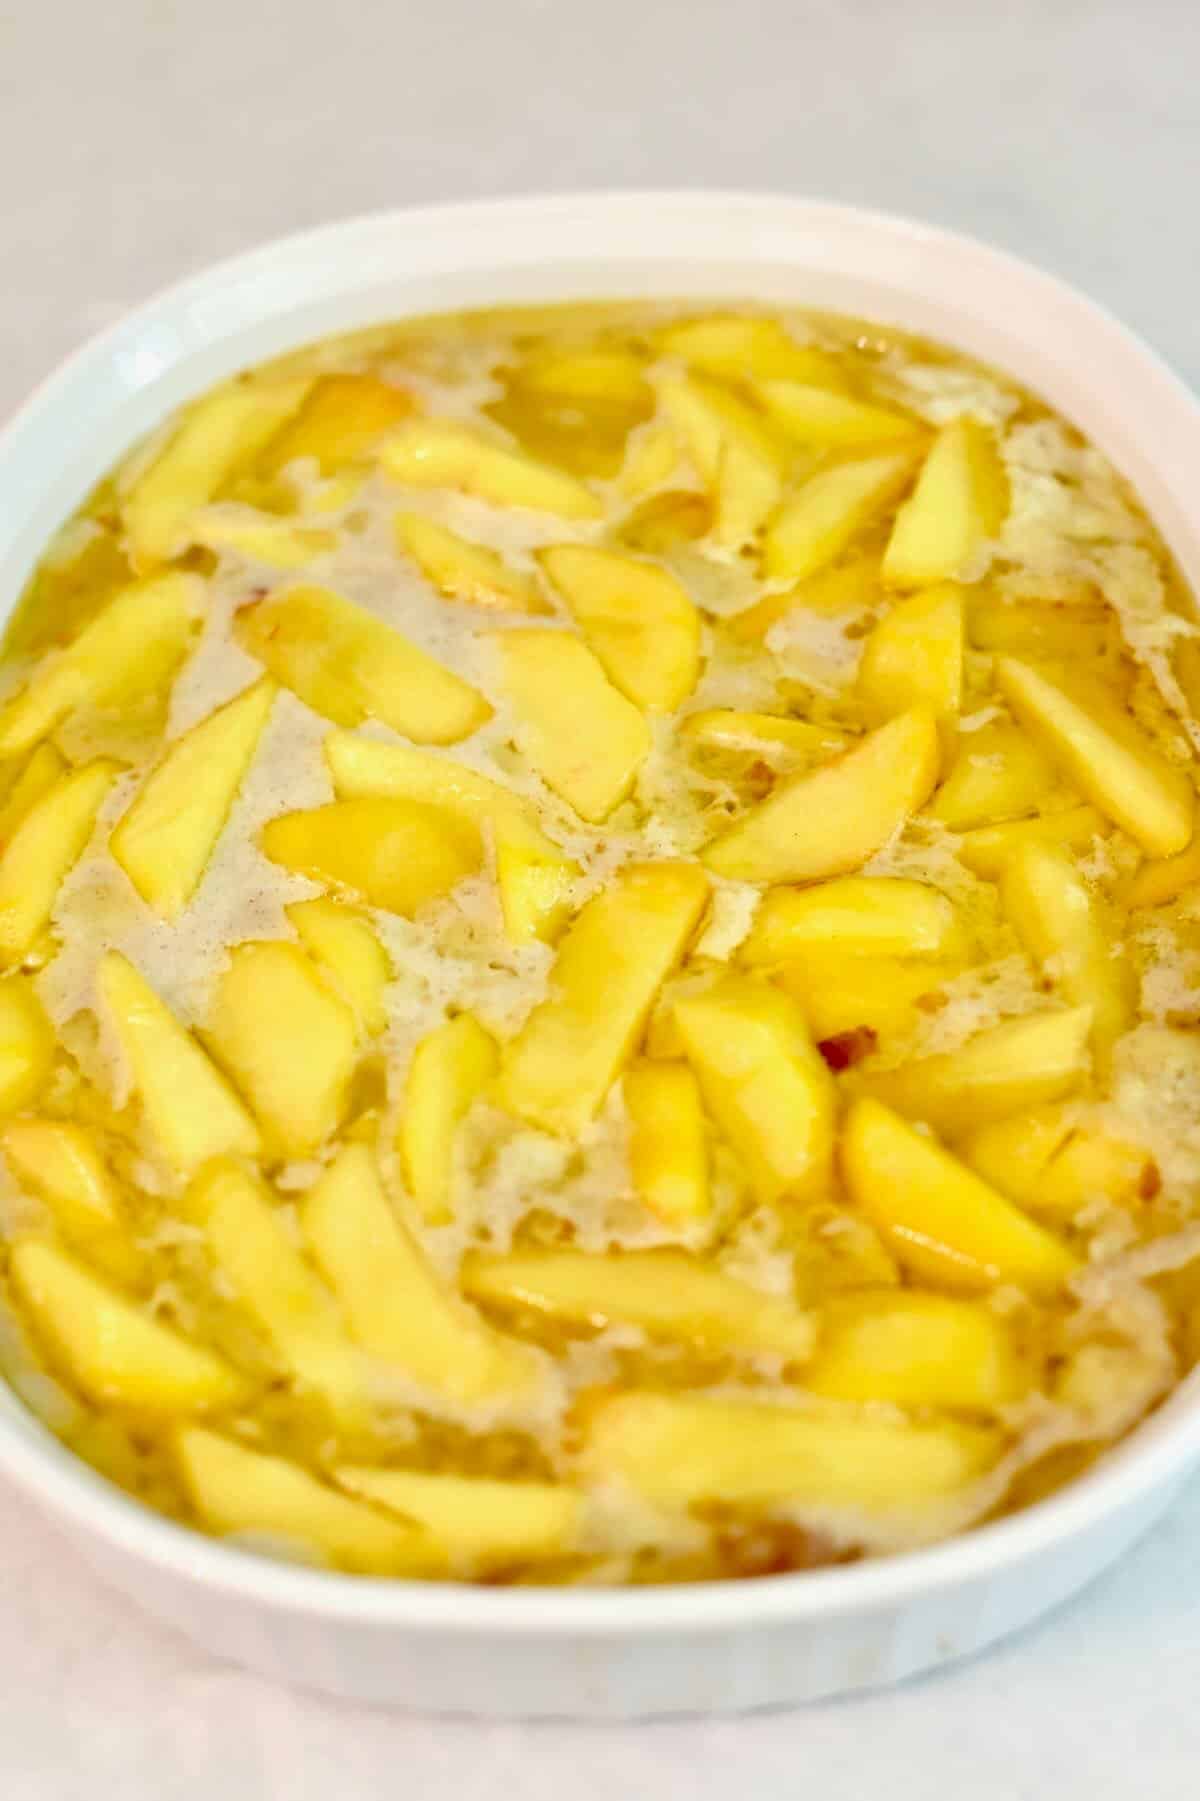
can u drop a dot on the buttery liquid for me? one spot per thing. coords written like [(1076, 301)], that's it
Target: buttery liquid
[(688, 446)]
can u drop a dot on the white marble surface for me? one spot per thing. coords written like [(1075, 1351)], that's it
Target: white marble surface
[(140, 139)]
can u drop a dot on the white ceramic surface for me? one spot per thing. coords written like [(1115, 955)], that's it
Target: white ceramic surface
[(602, 1654)]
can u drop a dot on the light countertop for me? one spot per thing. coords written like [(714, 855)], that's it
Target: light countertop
[(143, 138)]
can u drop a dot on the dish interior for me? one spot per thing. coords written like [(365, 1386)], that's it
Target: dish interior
[(601, 972)]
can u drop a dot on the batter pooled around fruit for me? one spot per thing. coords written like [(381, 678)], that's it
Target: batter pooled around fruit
[(600, 953)]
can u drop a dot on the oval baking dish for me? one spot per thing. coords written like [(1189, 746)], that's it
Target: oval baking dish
[(576, 1651)]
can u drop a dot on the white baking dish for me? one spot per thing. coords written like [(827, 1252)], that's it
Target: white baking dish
[(593, 1652)]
